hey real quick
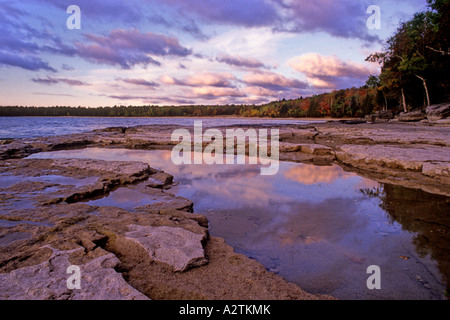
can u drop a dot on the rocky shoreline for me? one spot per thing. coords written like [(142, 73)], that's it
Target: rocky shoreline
[(163, 250)]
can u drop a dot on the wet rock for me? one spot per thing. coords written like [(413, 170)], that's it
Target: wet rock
[(124, 168), (177, 247), (418, 162), (178, 214), (69, 144), (412, 116), (306, 134), (354, 121), (112, 129), (438, 111), (16, 150), (160, 180), (317, 149), (380, 116), (8, 238), (384, 114), (370, 118), (405, 158), (382, 133), (445, 121), (73, 180), (48, 280), (306, 152), (290, 147), (5, 141), (436, 169)]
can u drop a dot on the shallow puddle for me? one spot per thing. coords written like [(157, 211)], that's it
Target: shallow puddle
[(14, 236), (65, 181), (8, 180), (20, 192), (318, 227), (16, 203), (10, 224), (124, 198)]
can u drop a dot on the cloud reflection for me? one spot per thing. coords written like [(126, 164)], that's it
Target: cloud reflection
[(310, 174)]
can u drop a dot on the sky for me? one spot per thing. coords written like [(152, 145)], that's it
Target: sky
[(183, 52)]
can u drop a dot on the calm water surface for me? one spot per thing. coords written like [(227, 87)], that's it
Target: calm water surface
[(318, 227), (31, 127)]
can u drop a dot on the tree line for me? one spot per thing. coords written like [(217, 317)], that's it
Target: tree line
[(354, 102)]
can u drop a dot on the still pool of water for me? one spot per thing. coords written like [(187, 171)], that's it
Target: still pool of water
[(317, 226), (124, 198), (7, 180)]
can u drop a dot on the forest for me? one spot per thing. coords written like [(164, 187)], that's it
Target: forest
[(415, 66), (343, 103)]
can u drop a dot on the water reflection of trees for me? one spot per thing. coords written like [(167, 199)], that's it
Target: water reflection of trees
[(425, 214)]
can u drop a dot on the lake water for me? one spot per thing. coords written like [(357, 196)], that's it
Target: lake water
[(31, 127), (317, 226)]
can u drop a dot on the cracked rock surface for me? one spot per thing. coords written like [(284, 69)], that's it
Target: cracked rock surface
[(50, 219), (44, 281), (160, 249), (178, 247)]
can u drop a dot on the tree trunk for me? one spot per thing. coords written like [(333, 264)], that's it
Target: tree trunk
[(385, 102), (404, 101), (426, 89)]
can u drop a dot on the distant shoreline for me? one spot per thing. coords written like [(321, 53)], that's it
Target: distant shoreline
[(35, 126), (192, 117)]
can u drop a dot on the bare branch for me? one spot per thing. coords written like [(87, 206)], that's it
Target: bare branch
[(438, 51)]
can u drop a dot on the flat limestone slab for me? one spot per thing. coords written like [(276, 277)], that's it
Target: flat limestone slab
[(317, 149), (308, 148), (122, 167), (414, 158), (385, 134), (48, 280), (180, 248)]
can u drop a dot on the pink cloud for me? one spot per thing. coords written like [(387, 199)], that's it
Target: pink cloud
[(259, 91), (215, 92), (314, 64), (329, 71), (272, 81), (210, 79), (166, 79)]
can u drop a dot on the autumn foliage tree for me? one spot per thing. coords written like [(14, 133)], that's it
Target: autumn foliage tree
[(416, 56)]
